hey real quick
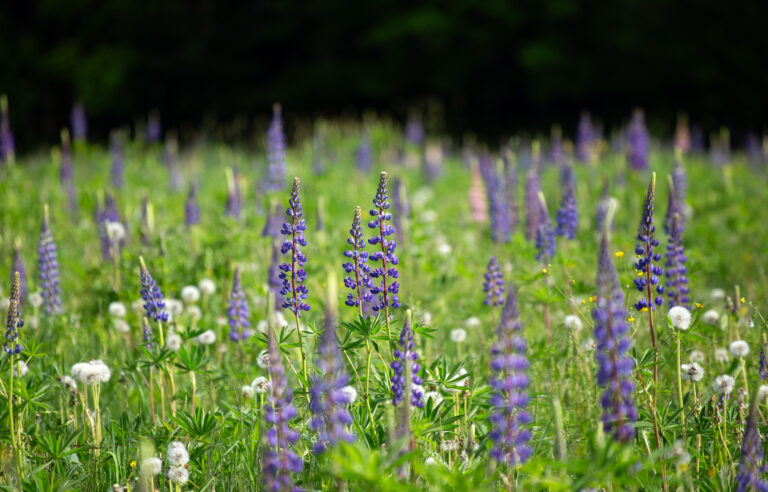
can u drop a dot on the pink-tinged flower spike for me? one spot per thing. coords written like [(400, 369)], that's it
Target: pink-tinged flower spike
[(48, 268), (7, 145), (478, 202), (14, 321)]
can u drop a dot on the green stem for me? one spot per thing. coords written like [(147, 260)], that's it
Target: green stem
[(680, 386)]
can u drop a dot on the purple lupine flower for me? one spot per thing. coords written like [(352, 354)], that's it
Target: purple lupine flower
[(602, 208), (680, 187), (328, 399), (273, 275), (275, 151), (364, 153), (676, 271), (401, 206), (7, 144), (532, 204), (406, 363), (763, 367), (279, 459), (18, 267), (414, 131), (79, 122), (274, 222), (48, 268), (146, 332), (614, 364), (497, 199), (638, 144), (154, 306), (232, 208), (557, 155), (752, 468), (154, 131), (191, 207), (318, 154), (648, 272), (493, 286), (509, 418), (238, 314), (546, 243), (14, 320), (171, 160), (585, 138), (293, 274), (568, 213), (116, 171), (752, 149), (510, 187), (387, 288), (357, 266)]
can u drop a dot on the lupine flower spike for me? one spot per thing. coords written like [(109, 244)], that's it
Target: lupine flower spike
[(584, 138), (638, 143), (494, 284), (648, 272), (358, 271), (752, 467), (293, 274), (676, 271), (276, 151), (238, 313), (280, 459), (14, 321), (154, 305), (79, 122), (545, 234), (405, 365), (18, 267), (191, 207), (614, 371), (568, 213), (510, 187), (532, 204), (48, 268), (385, 286), (497, 197), (7, 145), (509, 418), (117, 170)]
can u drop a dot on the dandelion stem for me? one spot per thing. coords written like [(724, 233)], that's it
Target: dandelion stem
[(680, 387)]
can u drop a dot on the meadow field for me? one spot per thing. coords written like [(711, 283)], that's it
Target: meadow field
[(547, 314)]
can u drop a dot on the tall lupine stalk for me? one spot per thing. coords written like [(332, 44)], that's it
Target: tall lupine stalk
[(238, 313), (638, 143), (274, 280), (752, 467), (478, 201), (680, 187), (532, 205), (602, 208), (232, 208), (406, 367), (585, 138), (274, 222), (279, 459), (117, 169), (276, 151), (79, 122), (568, 213), (18, 267), (676, 271), (12, 347), (614, 365), (292, 273), (493, 286), (511, 189), (48, 268), (66, 172), (328, 398), (499, 209), (364, 153), (7, 145), (358, 271), (401, 206), (414, 131), (191, 207), (385, 287), (546, 243), (509, 417)]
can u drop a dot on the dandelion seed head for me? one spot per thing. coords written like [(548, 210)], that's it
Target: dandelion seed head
[(739, 348), (208, 337), (710, 317), (177, 454), (117, 309), (207, 286), (190, 294), (680, 317), (723, 384), (458, 335), (573, 323)]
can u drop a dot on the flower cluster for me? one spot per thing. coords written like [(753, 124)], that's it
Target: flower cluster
[(497, 198), (357, 265), (79, 122), (48, 268), (546, 243), (494, 284), (238, 314), (532, 204), (614, 371), (154, 306), (585, 136), (178, 459), (509, 383), (388, 287), (752, 468), (191, 207), (406, 362), (328, 396), (279, 460), (293, 274), (276, 151), (648, 273), (117, 169), (676, 270), (638, 144), (364, 154), (568, 213), (14, 321)]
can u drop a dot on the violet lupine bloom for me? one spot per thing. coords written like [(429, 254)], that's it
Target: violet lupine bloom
[(191, 207), (752, 468), (676, 271), (406, 363), (614, 365), (327, 398), (7, 145), (276, 151), (233, 206), (79, 123), (357, 266), (585, 137), (48, 268), (116, 171), (364, 153), (14, 320), (273, 275), (602, 208), (648, 272), (532, 204), (414, 131), (497, 199), (293, 274), (568, 213), (401, 206), (546, 243), (388, 287), (638, 144), (154, 306), (238, 314), (280, 460), (556, 153), (509, 365), (510, 187), (763, 367), (493, 286), (18, 267), (274, 222), (680, 187)]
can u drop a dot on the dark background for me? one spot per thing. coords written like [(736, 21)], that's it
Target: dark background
[(495, 66)]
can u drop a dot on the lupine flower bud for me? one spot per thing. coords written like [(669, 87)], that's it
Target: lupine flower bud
[(14, 321)]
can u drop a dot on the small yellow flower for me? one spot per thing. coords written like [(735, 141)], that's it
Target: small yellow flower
[(583, 301), (619, 254), (133, 464), (644, 309), (544, 271), (592, 299), (631, 319), (742, 300), (640, 274), (699, 305)]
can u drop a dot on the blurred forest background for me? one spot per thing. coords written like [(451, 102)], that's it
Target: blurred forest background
[(493, 66)]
